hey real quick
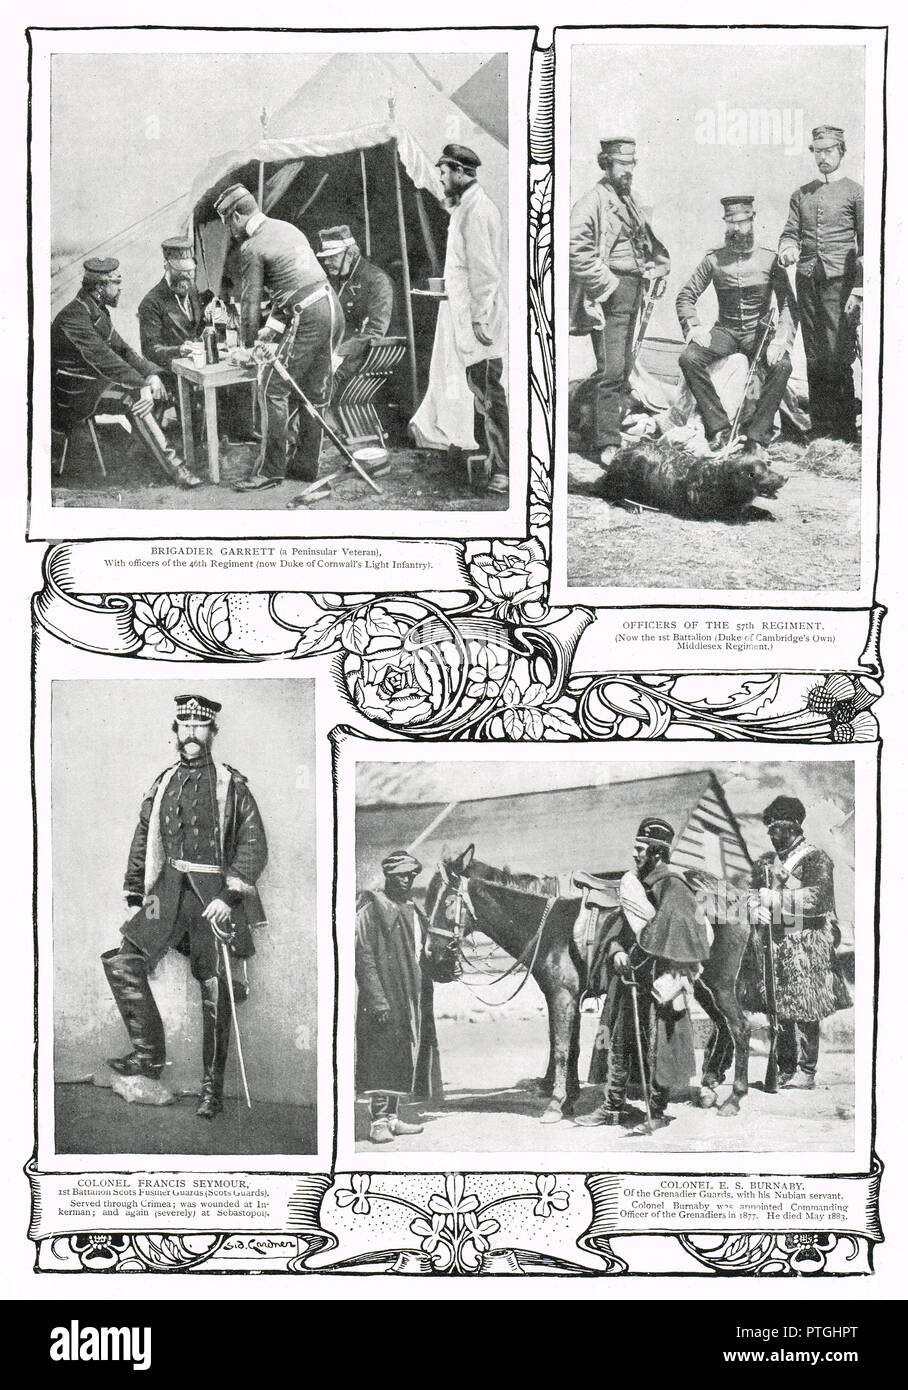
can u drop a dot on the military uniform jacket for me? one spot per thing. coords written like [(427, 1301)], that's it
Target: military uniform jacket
[(164, 325), (826, 226), (86, 355), (243, 856), (366, 296), (278, 263), (609, 235), (745, 284)]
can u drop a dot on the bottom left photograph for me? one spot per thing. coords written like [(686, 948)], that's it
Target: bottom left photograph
[(184, 916)]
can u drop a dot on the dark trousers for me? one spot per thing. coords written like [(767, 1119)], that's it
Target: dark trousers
[(829, 348), (695, 364), (613, 346), (798, 1045), (491, 408), (718, 1054), (382, 1105), (145, 425), (622, 1052), (291, 439)]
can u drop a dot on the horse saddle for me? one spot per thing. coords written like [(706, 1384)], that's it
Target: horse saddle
[(598, 893)]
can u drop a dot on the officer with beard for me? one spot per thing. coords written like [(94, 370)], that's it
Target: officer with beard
[(746, 278), (613, 251), (824, 238), (654, 949)]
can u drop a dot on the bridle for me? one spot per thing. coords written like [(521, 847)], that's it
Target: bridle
[(457, 886)]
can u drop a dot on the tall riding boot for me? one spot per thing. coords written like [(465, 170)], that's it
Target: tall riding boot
[(215, 1044), (169, 462), (127, 975)]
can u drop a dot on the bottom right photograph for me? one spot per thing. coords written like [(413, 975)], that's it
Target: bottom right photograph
[(555, 954)]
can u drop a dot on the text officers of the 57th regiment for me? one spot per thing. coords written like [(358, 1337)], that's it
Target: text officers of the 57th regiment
[(613, 253), (794, 897), (277, 260), (746, 278), (93, 368), (396, 1043), (196, 854), (824, 239)]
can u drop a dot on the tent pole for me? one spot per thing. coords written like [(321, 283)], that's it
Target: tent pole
[(366, 223), (263, 121), (405, 266), (426, 229)]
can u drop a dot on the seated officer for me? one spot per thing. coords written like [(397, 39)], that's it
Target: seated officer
[(91, 366), (171, 314), (746, 278), (365, 292)]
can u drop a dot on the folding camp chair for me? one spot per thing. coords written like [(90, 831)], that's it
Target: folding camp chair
[(354, 406)]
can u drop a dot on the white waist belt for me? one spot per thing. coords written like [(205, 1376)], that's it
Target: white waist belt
[(183, 866)]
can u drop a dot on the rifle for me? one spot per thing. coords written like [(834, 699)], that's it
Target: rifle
[(754, 363), (771, 1082)]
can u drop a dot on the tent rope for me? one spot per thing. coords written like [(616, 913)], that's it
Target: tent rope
[(61, 269)]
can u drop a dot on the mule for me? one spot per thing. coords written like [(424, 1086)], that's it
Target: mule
[(525, 915)]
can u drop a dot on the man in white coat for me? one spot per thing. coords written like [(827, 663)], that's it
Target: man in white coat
[(477, 301)]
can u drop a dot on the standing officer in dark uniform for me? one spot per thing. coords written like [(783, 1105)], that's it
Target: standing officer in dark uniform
[(798, 905), (654, 954), (365, 292), (276, 259), (612, 251), (745, 278), (824, 235), (196, 854), (91, 364)]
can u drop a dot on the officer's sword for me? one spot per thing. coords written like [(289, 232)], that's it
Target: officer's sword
[(336, 440), (236, 1027)]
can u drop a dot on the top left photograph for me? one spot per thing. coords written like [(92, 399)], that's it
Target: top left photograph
[(280, 281)]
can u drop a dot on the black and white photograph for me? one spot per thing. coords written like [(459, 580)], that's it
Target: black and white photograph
[(718, 272), (287, 284), (602, 956), (184, 908)]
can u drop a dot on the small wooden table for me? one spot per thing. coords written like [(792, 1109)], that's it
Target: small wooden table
[(210, 379)]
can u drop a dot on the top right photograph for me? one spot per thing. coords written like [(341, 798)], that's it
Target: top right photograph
[(718, 314)]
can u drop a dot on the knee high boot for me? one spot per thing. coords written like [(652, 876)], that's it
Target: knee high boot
[(127, 976), (215, 1044), (169, 462)]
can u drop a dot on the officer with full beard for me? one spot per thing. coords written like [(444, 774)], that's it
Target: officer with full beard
[(746, 277), (614, 258)]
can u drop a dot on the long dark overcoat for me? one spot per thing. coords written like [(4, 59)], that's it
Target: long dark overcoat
[(399, 1056)]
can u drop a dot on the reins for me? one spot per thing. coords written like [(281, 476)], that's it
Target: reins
[(533, 945)]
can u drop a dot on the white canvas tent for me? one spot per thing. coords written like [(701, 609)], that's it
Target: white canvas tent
[(357, 143)]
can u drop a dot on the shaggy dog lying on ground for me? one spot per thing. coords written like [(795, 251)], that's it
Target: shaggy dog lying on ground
[(661, 475)]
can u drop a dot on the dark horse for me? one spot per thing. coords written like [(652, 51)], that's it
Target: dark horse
[(466, 895)]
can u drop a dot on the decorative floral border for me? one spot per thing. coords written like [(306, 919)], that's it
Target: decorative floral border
[(459, 1224), (492, 661)]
